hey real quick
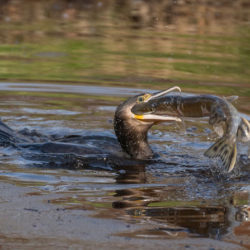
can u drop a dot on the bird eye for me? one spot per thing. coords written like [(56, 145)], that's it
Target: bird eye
[(140, 99)]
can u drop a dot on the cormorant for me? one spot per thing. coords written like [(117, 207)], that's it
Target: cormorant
[(75, 150), (131, 130)]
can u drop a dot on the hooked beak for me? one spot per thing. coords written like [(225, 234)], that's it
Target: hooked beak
[(164, 92), (149, 117)]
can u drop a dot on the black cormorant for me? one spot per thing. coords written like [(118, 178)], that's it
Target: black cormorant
[(131, 131)]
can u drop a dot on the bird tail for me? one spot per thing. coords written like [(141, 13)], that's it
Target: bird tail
[(226, 150)]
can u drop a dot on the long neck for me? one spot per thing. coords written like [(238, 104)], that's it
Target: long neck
[(132, 137)]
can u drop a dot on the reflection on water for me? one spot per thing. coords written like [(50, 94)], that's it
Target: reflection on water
[(178, 195), (202, 46), (128, 42)]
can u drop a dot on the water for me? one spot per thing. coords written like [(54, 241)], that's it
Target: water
[(64, 68), (128, 43), (182, 195)]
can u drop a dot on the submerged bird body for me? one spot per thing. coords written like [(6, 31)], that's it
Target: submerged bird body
[(131, 134), (133, 118), (220, 112)]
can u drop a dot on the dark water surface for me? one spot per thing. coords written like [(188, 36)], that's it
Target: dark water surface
[(183, 195), (64, 68)]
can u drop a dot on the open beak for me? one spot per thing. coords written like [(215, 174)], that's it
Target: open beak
[(149, 116), (156, 118), (162, 93)]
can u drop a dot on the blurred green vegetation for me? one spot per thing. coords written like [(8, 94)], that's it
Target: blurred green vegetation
[(95, 60), (75, 44)]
